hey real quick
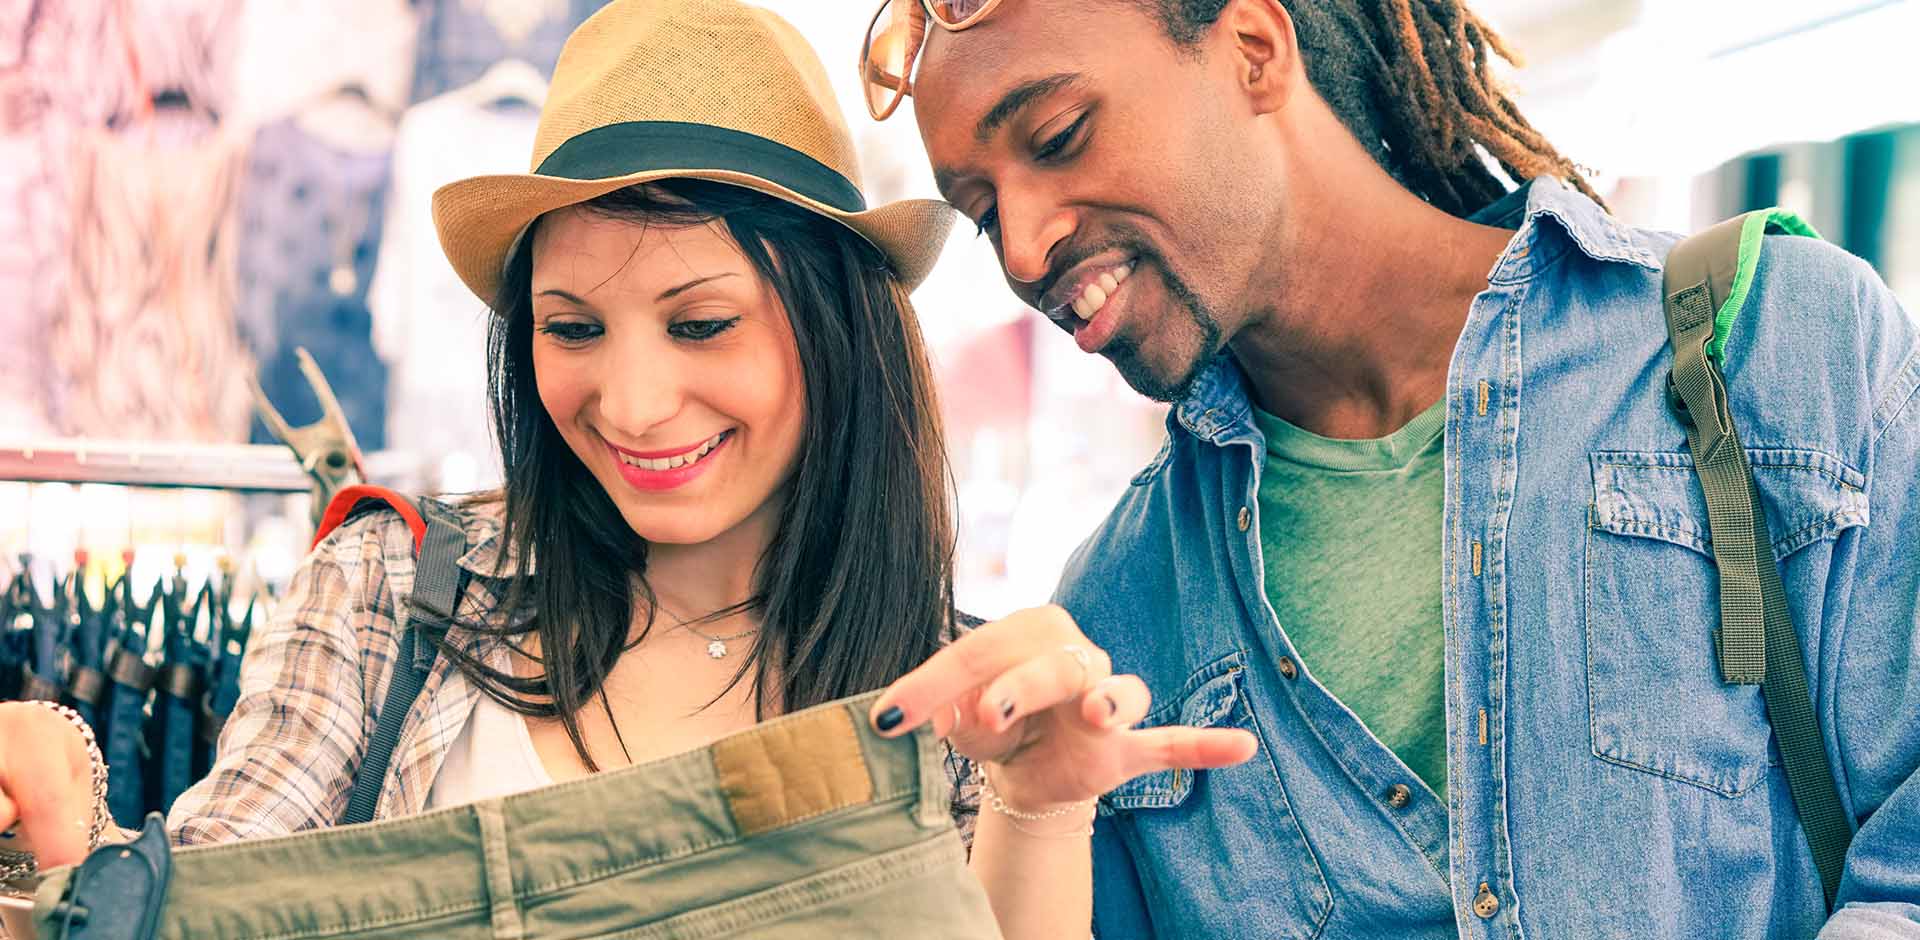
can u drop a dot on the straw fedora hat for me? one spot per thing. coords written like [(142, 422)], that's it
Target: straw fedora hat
[(707, 89)]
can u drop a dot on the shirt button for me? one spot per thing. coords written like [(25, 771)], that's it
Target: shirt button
[(1287, 669), (1485, 904), (1398, 796), (1246, 518)]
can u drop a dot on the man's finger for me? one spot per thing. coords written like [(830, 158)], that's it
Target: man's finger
[(969, 663), (1157, 749)]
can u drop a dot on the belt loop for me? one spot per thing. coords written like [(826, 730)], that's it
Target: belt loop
[(935, 806), (503, 904)]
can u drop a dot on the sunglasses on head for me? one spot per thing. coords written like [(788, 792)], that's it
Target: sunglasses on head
[(894, 38)]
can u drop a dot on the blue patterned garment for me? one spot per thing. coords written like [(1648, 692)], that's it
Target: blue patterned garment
[(461, 39), (310, 216)]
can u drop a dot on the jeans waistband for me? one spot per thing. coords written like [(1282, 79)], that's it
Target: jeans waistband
[(806, 792)]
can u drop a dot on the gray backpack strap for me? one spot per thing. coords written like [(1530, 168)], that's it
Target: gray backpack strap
[(438, 582), (1707, 278)]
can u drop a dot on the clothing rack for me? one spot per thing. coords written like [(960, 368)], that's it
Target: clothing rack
[(257, 468), (247, 467)]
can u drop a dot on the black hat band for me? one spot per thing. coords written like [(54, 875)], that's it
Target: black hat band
[(641, 146)]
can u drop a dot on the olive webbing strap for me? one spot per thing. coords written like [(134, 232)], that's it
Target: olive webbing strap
[(1757, 642)]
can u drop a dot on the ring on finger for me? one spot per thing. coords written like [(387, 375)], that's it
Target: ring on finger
[(1084, 658)]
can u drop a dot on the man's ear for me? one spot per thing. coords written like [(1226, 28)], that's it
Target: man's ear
[(1265, 51)]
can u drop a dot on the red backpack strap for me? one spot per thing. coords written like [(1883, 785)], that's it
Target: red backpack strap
[(350, 500)]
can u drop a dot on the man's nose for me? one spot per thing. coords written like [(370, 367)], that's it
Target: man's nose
[(1030, 230)]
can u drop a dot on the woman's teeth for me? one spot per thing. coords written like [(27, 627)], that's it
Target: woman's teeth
[(1095, 294), (674, 463)]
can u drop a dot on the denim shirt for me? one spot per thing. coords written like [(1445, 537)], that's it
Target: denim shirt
[(1602, 780)]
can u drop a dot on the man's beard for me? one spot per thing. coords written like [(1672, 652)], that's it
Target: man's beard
[(1124, 351)]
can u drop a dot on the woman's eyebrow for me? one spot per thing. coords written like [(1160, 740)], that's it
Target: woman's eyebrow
[(672, 292), (665, 295)]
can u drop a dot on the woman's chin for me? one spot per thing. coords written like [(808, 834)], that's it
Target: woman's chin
[(684, 527)]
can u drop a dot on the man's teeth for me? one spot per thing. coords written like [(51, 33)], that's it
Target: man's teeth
[(674, 463), (1095, 294)]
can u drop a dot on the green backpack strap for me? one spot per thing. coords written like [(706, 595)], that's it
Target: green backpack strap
[(1707, 279)]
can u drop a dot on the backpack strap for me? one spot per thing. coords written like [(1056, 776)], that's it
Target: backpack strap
[(438, 583), (1707, 279), (350, 501)]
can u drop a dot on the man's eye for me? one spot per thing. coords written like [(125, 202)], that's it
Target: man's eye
[(988, 220), (1061, 141)]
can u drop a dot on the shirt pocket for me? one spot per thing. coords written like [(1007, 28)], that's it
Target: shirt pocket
[(1656, 702), (1187, 830)]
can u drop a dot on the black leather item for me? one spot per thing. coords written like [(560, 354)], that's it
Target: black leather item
[(37, 689), (131, 670), (117, 893), (87, 685), (183, 682)]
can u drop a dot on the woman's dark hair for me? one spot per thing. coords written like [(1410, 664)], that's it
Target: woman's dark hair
[(855, 588)]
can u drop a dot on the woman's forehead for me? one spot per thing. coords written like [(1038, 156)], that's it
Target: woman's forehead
[(577, 246)]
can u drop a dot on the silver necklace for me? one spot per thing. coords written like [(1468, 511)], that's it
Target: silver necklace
[(716, 645)]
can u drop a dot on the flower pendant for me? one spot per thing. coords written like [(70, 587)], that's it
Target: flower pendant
[(717, 649)]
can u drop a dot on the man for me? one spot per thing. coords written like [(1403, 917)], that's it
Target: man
[(1425, 522)]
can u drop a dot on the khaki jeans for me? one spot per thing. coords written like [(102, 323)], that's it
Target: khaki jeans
[(807, 827)]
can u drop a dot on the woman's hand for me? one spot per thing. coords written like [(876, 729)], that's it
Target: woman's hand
[(1035, 701), (46, 784)]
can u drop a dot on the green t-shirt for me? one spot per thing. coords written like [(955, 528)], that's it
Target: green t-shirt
[(1351, 535)]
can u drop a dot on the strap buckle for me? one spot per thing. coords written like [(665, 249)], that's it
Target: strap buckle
[(1677, 403), (118, 891)]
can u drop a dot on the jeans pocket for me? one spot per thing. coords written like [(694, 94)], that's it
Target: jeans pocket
[(1656, 702), (1196, 835)]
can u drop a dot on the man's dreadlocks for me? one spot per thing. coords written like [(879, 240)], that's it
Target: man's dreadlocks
[(1411, 79)]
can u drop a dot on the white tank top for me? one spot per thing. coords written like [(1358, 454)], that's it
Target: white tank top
[(492, 757)]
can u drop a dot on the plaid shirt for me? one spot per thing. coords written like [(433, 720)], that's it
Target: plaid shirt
[(314, 678)]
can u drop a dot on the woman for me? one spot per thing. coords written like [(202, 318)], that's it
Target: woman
[(725, 497)]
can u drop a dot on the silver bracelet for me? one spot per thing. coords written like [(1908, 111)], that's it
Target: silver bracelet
[(1015, 817), (19, 866)]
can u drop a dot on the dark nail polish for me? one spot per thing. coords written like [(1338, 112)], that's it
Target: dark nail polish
[(1006, 709), (890, 719)]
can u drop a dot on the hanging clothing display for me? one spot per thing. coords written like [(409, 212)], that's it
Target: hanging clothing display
[(427, 326), (154, 676), (460, 39), (149, 293), (310, 223), (63, 67), (287, 51), (808, 826), (125, 748)]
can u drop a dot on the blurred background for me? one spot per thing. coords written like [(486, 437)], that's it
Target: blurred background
[(192, 189)]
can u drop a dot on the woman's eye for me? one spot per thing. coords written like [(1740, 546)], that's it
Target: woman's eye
[(571, 331), (701, 330)]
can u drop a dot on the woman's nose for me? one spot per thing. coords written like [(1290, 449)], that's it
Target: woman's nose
[(636, 399)]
